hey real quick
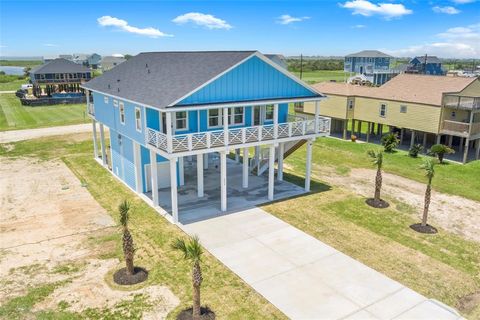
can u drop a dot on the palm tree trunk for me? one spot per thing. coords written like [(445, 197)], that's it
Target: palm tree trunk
[(129, 263), (197, 281), (128, 250), (426, 205), (378, 184)]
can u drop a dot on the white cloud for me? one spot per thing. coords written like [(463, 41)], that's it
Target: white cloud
[(205, 20), (367, 9), (359, 26), (447, 10), (50, 45), (463, 1), (458, 42), (287, 19), (108, 21)]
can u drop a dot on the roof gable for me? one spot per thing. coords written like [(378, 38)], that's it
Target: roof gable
[(257, 78)]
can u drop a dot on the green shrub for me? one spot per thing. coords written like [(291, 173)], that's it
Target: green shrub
[(415, 150), (440, 150), (390, 142)]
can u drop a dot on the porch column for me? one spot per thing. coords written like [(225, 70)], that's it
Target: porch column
[(245, 168), (200, 175), (359, 128), (424, 142), (412, 139), (477, 151), (460, 146), (257, 159), (275, 121), (237, 155), (137, 162), (168, 118), (402, 131), (308, 170), (154, 177), (181, 171), (317, 114), (345, 123), (95, 147), (271, 171), (205, 161), (102, 144), (173, 188), (281, 151), (465, 152), (439, 138), (223, 180), (353, 127), (450, 140), (369, 124), (225, 125)]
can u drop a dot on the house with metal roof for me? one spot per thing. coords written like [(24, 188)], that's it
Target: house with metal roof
[(374, 65), (173, 117), (421, 109)]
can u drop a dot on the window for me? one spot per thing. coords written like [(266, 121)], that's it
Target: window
[(383, 110), (235, 115), (403, 109), (105, 99), (42, 77), (115, 103), (453, 114), (269, 112), (214, 118), (122, 113), (181, 120), (138, 119), (350, 104)]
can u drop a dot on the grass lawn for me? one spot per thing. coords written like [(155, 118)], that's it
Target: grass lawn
[(451, 178), (321, 76), (222, 290), (15, 116), (20, 63), (12, 85)]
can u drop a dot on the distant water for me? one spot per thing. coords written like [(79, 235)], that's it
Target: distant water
[(18, 71)]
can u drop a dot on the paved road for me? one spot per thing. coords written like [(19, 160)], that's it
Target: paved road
[(9, 91), (305, 278), (19, 135)]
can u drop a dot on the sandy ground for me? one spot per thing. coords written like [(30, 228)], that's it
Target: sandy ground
[(19, 135), (454, 213), (47, 222)]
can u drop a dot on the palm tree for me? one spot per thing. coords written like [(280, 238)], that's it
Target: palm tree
[(128, 246), (192, 250), (428, 165), (377, 159)]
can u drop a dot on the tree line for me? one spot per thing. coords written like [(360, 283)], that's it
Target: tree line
[(314, 64)]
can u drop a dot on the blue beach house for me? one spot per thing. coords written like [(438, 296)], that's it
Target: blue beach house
[(169, 113)]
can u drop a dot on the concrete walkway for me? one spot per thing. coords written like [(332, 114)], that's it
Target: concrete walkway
[(27, 134), (305, 278)]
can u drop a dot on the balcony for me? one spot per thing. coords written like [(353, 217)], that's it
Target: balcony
[(298, 128), (464, 103), (460, 128)]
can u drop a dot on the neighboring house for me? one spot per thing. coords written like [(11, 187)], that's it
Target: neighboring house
[(278, 59), (426, 109), (66, 56), (60, 71), (93, 61), (373, 64), (167, 111), (426, 65), (110, 62), (80, 58)]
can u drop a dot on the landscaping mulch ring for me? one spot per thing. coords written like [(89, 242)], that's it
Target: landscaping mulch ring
[(428, 229), (123, 278), (205, 314), (380, 204)]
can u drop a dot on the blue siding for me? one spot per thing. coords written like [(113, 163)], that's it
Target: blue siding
[(254, 79), (153, 119), (122, 158)]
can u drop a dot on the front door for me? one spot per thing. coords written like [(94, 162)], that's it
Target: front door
[(258, 115)]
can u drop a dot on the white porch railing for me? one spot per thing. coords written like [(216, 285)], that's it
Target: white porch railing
[(237, 136)]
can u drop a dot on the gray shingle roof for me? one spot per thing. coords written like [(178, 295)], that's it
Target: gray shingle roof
[(158, 79), (369, 54), (430, 59), (59, 65)]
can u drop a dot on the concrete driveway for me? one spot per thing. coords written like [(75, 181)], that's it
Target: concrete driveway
[(305, 278)]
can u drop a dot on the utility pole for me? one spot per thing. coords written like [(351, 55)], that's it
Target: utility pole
[(425, 65), (301, 65)]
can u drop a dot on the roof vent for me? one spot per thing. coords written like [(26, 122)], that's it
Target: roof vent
[(118, 80), (146, 65), (118, 89), (148, 70)]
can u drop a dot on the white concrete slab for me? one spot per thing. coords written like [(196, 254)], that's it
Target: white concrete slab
[(303, 277)]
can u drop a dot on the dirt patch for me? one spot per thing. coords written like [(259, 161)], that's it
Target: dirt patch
[(205, 314), (121, 277), (380, 204), (456, 214), (50, 231), (468, 303), (427, 229)]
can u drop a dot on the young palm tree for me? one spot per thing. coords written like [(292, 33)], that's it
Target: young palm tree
[(192, 250), (428, 165), (128, 246), (377, 159)]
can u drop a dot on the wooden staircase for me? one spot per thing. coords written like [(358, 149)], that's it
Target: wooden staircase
[(290, 147)]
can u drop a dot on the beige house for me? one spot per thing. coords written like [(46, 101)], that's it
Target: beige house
[(420, 108)]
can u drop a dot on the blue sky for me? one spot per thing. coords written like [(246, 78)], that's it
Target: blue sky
[(449, 28)]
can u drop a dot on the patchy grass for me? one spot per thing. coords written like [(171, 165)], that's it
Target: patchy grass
[(222, 290), (13, 84), (451, 178), (322, 75), (20, 63), (15, 116)]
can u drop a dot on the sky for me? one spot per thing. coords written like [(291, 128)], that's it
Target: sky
[(446, 28)]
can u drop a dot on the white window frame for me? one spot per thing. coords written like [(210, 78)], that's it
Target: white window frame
[(184, 119), (138, 120), (403, 108), (232, 114), (105, 99), (122, 112), (115, 103), (220, 118), (383, 106)]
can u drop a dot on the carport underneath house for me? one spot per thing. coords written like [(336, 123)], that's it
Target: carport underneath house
[(191, 137)]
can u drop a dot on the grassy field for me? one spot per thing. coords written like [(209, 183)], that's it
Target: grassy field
[(15, 116), (20, 63), (222, 291), (321, 76), (12, 85)]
